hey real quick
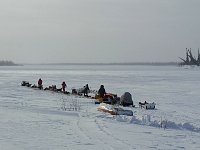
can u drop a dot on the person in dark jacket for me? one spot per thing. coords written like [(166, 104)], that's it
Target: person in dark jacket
[(40, 83), (64, 86), (102, 91), (86, 90)]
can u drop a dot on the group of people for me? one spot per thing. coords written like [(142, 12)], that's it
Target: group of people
[(101, 95), (86, 89), (40, 86)]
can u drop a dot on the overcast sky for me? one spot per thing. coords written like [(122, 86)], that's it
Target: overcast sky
[(89, 31)]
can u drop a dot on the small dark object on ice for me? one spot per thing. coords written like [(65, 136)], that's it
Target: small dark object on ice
[(147, 105)]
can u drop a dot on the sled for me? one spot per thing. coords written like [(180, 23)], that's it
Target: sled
[(120, 111), (114, 110)]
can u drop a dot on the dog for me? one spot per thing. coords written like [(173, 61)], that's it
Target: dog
[(147, 105)]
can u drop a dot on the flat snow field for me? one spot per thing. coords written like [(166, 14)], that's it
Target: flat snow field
[(43, 120)]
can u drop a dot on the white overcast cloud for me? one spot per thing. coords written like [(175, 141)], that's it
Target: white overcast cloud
[(50, 31)]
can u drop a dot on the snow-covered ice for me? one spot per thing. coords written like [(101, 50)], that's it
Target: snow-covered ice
[(43, 120)]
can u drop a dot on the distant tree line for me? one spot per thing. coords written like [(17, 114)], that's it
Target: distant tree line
[(7, 63), (190, 58), (122, 63)]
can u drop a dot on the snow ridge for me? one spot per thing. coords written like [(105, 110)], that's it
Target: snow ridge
[(166, 124)]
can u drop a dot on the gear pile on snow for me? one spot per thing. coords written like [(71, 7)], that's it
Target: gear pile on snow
[(126, 99)]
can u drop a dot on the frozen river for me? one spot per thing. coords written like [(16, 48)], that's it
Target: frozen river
[(33, 119)]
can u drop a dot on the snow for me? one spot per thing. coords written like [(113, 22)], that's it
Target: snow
[(43, 120)]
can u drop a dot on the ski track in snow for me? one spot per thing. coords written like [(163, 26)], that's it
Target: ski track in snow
[(123, 143), (103, 137)]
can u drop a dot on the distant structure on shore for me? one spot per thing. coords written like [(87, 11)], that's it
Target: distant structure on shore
[(7, 63), (190, 59)]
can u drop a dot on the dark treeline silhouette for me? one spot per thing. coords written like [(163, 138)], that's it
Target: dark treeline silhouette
[(7, 63), (190, 59), (120, 63)]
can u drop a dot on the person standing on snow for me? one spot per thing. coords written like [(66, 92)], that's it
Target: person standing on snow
[(102, 91), (40, 83), (86, 90), (63, 86)]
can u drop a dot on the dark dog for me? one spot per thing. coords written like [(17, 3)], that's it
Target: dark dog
[(25, 83), (141, 105)]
